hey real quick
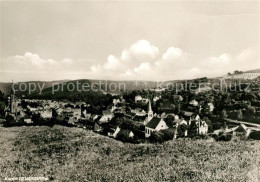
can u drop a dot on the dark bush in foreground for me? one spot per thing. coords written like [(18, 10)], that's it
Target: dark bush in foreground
[(156, 137), (224, 137), (255, 135)]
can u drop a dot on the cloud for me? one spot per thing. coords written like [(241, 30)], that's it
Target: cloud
[(31, 66), (112, 63), (135, 60), (173, 54), (142, 67), (143, 51), (141, 61)]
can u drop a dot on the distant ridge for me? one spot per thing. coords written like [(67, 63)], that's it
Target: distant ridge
[(130, 84), (253, 71)]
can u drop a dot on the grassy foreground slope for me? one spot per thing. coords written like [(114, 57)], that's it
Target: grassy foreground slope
[(74, 154)]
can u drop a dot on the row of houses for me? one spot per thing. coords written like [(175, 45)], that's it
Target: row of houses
[(153, 123)]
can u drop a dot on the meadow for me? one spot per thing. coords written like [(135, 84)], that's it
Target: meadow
[(74, 154)]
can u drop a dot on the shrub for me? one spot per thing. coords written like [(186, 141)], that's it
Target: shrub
[(167, 134), (224, 137), (255, 135), (157, 137)]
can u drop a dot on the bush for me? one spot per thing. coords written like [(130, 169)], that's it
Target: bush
[(224, 137), (157, 137), (167, 134), (122, 136), (255, 135)]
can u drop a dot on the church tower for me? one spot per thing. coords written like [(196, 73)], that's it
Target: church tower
[(13, 103), (150, 112)]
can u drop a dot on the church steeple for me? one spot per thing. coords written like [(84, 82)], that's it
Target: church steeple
[(149, 106), (150, 112)]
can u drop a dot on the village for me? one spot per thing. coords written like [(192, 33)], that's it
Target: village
[(129, 122)]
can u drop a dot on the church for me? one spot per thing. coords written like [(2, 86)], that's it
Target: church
[(12, 110), (153, 123)]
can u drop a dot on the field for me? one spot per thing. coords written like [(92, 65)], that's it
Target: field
[(74, 154)]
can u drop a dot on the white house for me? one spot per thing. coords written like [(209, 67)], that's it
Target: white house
[(202, 128), (193, 103), (113, 132), (211, 107), (28, 120), (155, 124), (138, 98), (46, 113), (116, 101), (156, 98)]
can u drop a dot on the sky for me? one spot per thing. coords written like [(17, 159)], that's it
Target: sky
[(127, 40)]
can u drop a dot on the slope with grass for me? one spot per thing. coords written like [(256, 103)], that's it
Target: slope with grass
[(74, 154)]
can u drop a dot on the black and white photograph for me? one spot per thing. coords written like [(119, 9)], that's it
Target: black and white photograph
[(128, 90)]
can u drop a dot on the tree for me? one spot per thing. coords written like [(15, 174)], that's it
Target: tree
[(239, 114), (223, 115), (167, 134), (251, 109), (169, 119), (54, 113), (123, 136), (178, 107), (157, 137), (181, 130), (193, 129)]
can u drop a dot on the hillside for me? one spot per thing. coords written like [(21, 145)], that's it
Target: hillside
[(108, 86), (253, 71), (74, 154), (6, 87)]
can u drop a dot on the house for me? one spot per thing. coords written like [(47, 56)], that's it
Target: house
[(28, 120), (202, 126), (211, 107), (105, 119), (237, 130), (139, 112), (242, 130), (179, 122), (46, 114), (193, 103), (59, 110), (127, 133), (73, 120), (131, 115), (116, 101), (76, 112), (139, 118), (187, 115), (155, 124), (87, 115), (156, 98), (107, 112), (113, 131), (138, 98), (98, 127), (99, 123)]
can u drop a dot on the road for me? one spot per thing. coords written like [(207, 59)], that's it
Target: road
[(243, 122)]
